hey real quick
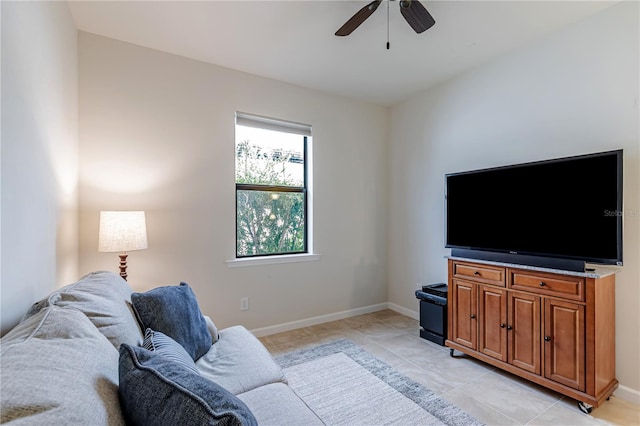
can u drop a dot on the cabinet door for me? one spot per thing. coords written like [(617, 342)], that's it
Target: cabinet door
[(492, 319), (564, 344), (524, 332), (464, 314)]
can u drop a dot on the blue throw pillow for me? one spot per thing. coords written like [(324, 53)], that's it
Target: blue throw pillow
[(155, 391), (167, 347), (174, 311)]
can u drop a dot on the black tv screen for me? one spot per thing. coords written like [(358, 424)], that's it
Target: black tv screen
[(567, 208)]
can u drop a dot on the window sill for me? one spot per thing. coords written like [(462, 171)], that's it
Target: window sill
[(271, 260)]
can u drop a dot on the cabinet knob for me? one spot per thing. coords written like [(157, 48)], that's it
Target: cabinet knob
[(502, 326), (509, 328), (476, 273), (542, 284), (473, 316), (547, 338)]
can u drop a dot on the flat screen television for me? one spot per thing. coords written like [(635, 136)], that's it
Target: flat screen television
[(559, 213)]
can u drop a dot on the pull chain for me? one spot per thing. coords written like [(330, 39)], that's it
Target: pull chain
[(388, 24)]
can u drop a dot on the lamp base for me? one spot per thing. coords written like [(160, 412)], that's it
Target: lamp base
[(123, 265)]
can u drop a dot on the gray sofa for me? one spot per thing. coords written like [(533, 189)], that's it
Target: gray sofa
[(59, 365)]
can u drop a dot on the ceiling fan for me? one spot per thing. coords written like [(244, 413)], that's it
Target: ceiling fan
[(412, 10)]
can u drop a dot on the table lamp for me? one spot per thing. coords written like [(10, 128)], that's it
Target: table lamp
[(122, 231)]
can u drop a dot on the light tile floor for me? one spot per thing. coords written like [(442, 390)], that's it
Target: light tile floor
[(491, 395)]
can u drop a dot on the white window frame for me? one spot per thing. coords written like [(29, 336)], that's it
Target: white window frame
[(252, 120)]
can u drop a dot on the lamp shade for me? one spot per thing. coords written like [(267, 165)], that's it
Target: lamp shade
[(122, 231)]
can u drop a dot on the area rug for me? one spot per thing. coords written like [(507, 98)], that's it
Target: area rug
[(345, 385)]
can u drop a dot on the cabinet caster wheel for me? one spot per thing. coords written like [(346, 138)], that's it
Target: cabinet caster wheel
[(608, 398), (584, 407), (451, 352)]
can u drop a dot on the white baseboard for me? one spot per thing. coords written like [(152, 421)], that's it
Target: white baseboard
[(404, 311), (287, 326), (628, 394)]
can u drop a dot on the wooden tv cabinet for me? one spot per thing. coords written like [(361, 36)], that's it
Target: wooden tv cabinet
[(554, 328)]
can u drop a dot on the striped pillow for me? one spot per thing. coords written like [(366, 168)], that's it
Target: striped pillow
[(167, 347)]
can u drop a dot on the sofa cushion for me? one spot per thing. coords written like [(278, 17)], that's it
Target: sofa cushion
[(35, 308), (57, 368), (155, 391), (239, 362), (164, 345), (105, 298), (278, 405), (174, 311)]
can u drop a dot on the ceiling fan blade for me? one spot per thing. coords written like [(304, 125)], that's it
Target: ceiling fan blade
[(416, 15), (358, 18)]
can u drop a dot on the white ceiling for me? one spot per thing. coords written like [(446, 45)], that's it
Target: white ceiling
[(293, 41)]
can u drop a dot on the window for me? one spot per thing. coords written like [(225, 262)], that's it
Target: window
[(271, 186)]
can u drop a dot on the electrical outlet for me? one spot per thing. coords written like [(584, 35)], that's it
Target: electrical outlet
[(244, 303)]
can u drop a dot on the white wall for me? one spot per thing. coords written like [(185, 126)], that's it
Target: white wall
[(575, 92), (39, 153), (157, 134)]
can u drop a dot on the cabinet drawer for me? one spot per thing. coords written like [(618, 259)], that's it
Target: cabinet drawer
[(555, 285), (482, 273)]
